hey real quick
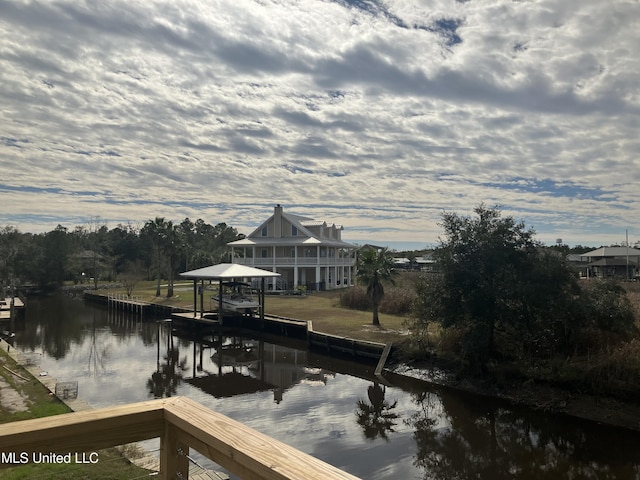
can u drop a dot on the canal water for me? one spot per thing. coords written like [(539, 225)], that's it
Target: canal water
[(338, 411)]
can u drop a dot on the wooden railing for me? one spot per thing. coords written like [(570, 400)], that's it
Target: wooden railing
[(181, 424)]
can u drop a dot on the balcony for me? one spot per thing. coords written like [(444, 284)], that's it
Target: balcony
[(301, 261), (181, 424)]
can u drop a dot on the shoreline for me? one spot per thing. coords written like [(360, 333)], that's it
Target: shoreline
[(605, 410)]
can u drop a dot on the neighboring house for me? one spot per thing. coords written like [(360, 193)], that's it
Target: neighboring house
[(608, 262), (305, 252), (580, 263)]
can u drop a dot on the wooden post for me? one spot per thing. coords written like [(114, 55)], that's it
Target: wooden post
[(174, 464), (195, 298), (12, 315), (220, 302), (201, 298)]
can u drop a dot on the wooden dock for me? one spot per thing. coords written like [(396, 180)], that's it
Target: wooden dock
[(10, 306), (291, 328), (360, 350)]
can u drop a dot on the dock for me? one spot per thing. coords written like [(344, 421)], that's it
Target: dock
[(291, 328), (10, 306), (360, 350)]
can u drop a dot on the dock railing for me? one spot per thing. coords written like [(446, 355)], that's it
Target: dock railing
[(181, 424)]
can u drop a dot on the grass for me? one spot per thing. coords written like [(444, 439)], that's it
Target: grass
[(35, 395), (110, 465)]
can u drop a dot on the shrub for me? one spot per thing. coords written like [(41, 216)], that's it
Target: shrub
[(398, 301), (355, 298)]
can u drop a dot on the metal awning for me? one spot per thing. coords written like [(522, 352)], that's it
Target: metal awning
[(224, 271), (221, 272)]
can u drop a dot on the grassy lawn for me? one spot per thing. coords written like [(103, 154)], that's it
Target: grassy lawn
[(324, 310), (33, 396), (22, 399)]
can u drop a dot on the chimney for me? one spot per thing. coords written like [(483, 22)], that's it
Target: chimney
[(277, 221)]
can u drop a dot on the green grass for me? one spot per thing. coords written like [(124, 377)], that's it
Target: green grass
[(110, 465), (36, 395)]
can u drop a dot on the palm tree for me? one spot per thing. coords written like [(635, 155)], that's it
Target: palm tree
[(375, 417), (158, 232), (374, 266)]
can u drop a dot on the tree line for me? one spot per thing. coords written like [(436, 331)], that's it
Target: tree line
[(94, 253), (499, 298)]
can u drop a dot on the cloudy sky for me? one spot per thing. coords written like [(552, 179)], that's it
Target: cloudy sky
[(375, 114)]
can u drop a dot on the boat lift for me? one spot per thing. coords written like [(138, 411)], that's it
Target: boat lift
[(225, 272)]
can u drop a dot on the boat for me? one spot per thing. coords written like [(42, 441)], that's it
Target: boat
[(237, 298)]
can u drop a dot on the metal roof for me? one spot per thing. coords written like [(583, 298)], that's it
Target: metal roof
[(228, 270), (612, 252)]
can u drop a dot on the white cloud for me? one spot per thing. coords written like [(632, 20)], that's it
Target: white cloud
[(382, 116)]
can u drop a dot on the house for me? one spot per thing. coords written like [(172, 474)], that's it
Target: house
[(608, 262), (305, 252)]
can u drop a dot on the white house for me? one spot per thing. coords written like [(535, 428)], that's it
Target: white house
[(305, 252)]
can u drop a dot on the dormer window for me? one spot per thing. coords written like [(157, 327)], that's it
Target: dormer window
[(294, 231)]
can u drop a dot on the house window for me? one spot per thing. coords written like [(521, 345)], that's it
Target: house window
[(265, 253), (293, 252), (265, 231), (294, 231)]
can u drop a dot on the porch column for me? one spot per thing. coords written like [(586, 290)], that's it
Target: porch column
[(295, 267), (274, 270)]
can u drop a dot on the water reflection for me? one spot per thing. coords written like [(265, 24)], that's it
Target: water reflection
[(164, 382), (375, 417), (336, 410), (239, 366), (464, 441)]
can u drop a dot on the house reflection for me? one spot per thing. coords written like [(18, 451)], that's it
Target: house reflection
[(229, 366)]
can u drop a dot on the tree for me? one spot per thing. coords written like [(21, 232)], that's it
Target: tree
[(55, 260), (373, 267), (494, 278), (157, 232)]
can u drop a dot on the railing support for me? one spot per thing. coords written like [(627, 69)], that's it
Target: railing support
[(174, 461)]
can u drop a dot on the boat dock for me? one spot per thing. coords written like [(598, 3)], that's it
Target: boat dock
[(10, 306), (289, 328), (11, 309), (274, 325)]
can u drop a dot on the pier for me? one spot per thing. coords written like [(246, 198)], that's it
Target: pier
[(10, 309)]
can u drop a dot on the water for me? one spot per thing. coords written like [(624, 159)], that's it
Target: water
[(335, 410)]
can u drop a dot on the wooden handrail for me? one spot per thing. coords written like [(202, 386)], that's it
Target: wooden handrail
[(181, 424)]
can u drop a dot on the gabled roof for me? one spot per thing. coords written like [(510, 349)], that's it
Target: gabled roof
[(613, 252), (302, 224)]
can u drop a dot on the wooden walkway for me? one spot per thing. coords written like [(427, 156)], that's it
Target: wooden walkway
[(5, 307)]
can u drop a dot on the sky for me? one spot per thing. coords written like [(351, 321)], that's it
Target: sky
[(375, 115)]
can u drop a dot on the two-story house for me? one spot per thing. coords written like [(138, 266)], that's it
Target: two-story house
[(305, 252)]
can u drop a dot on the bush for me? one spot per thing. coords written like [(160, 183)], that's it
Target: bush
[(355, 298), (396, 301)]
